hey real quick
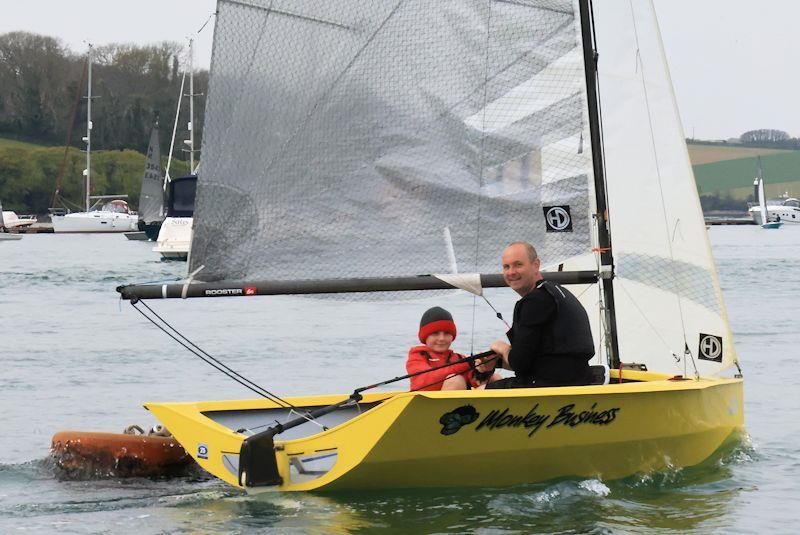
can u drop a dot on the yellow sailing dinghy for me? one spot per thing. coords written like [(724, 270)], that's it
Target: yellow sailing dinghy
[(379, 141), (432, 439)]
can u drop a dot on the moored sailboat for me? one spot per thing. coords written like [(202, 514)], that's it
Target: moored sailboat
[(175, 236), (174, 239), (761, 212), (478, 122), (108, 213), (151, 195)]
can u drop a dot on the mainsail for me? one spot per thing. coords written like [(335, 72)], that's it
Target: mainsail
[(151, 197), (349, 140), (343, 138)]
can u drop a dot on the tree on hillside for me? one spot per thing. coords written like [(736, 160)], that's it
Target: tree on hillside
[(34, 70), (39, 81), (764, 135)]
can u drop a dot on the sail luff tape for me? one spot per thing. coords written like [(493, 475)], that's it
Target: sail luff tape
[(188, 281)]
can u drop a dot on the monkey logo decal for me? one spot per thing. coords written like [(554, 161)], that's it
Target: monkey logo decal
[(454, 420)]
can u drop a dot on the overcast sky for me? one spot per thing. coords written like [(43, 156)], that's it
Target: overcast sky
[(733, 63)]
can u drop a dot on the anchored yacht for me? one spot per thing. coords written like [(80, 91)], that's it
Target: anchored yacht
[(109, 213), (103, 216)]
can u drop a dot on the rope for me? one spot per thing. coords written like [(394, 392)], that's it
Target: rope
[(471, 358), (208, 359), (499, 316)]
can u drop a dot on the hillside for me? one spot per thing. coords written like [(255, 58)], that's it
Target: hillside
[(721, 170), (28, 174), (704, 154), (13, 143)]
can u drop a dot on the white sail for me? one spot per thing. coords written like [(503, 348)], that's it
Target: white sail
[(667, 294), (151, 196), (762, 199)]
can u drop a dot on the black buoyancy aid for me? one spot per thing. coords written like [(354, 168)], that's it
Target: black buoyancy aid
[(568, 332)]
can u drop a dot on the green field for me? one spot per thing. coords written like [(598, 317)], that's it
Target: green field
[(781, 174), (4, 142)]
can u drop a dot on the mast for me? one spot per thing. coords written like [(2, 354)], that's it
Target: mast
[(167, 178), (601, 199), (88, 138), (190, 141)]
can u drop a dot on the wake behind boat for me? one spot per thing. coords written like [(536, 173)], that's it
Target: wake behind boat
[(421, 138)]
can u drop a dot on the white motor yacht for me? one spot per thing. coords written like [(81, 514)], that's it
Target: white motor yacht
[(784, 209)]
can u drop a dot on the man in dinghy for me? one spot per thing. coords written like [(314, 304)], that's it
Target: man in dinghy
[(551, 339), (437, 330)]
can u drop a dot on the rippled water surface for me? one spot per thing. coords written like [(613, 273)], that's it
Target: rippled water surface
[(75, 357)]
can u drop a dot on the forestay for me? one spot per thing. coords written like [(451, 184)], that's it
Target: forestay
[(151, 197), (666, 289), (343, 138)]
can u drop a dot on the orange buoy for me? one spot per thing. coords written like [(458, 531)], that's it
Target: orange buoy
[(80, 454)]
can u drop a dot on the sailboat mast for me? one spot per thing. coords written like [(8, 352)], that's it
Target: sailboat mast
[(601, 200), (88, 138), (191, 107), (167, 177)]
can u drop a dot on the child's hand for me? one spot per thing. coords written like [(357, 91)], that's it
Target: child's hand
[(487, 364)]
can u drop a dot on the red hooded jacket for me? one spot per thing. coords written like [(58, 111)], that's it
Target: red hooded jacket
[(422, 358)]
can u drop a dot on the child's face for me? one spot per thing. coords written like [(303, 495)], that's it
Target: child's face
[(439, 341)]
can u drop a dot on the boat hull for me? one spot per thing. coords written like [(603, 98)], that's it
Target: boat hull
[(481, 438), (151, 230), (98, 221), (175, 238), (788, 214)]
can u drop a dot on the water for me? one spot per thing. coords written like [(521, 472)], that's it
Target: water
[(75, 357)]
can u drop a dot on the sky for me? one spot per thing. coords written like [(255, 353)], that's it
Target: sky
[(732, 61)]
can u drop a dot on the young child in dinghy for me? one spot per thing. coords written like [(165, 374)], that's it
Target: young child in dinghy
[(437, 331)]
